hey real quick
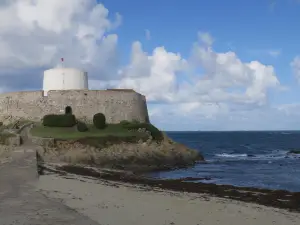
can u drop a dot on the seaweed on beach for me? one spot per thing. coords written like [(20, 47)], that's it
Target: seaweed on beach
[(274, 198)]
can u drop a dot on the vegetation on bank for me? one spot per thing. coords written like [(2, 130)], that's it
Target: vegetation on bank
[(128, 145), (67, 133), (66, 127), (61, 120)]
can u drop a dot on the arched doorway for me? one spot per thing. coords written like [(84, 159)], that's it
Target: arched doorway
[(68, 110)]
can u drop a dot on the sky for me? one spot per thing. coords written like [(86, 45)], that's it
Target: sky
[(202, 65)]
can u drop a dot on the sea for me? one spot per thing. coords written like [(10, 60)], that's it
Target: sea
[(247, 159)]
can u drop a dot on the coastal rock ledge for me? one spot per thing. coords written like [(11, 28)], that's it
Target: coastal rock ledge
[(136, 156)]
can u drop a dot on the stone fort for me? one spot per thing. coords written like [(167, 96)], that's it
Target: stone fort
[(65, 90)]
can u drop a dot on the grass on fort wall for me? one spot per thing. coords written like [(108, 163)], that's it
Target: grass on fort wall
[(68, 133)]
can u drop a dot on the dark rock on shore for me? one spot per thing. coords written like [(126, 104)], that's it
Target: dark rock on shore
[(141, 156), (294, 151)]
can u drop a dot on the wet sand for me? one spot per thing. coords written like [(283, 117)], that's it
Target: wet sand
[(274, 198), (112, 203)]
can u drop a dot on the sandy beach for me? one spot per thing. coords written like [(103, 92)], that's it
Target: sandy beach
[(113, 203), (72, 199)]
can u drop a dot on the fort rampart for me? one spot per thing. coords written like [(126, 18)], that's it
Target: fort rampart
[(116, 105)]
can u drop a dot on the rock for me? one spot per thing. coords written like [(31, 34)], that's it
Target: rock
[(4, 148), (14, 141), (44, 142), (294, 152), (137, 157)]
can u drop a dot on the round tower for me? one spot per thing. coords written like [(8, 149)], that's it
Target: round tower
[(64, 79)]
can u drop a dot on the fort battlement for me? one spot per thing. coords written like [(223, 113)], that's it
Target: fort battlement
[(115, 104)]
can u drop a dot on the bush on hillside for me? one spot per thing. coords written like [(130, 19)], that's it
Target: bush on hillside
[(82, 127), (61, 120), (135, 122), (99, 121), (155, 133), (124, 122)]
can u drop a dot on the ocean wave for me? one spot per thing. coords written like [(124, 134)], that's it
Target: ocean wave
[(226, 155), (271, 156)]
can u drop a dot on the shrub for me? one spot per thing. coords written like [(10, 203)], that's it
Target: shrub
[(124, 123), (155, 133), (1, 124), (99, 121), (63, 120), (82, 127), (135, 122)]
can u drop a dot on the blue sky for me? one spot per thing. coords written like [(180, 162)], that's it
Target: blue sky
[(249, 28), (203, 65)]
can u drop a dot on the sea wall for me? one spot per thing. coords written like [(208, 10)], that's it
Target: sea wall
[(117, 105)]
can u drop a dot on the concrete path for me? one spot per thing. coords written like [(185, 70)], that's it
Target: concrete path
[(21, 203)]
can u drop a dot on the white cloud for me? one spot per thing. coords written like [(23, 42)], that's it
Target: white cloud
[(295, 65), (205, 38), (221, 117), (166, 76), (153, 75), (207, 86), (37, 33), (148, 34)]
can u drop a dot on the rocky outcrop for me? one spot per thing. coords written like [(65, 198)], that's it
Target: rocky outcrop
[(139, 157), (43, 142), (16, 135), (295, 151), (14, 141), (10, 139)]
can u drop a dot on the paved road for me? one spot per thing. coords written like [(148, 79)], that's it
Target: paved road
[(21, 203)]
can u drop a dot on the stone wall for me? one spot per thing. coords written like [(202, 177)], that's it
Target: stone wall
[(117, 105)]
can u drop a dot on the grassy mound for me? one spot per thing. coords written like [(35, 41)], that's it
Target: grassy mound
[(138, 147), (154, 132), (67, 133)]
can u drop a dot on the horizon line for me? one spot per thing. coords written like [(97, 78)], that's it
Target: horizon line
[(232, 130)]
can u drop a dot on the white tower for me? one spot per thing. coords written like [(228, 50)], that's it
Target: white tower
[(61, 78)]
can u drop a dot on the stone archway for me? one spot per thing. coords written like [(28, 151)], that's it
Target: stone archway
[(68, 110)]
